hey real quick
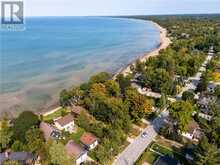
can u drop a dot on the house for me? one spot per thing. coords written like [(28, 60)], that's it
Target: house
[(194, 132), (65, 123), (89, 141), (24, 158), (49, 131), (166, 160), (203, 103), (76, 110), (75, 150)]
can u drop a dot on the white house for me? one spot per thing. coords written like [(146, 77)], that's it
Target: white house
[(89, 141), (75, 150), (65, 123), (194, 132)]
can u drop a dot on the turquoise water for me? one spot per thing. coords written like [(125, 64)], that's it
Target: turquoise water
[(57, 52)]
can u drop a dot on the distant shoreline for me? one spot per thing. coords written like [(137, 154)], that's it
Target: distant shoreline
[(164, 43)]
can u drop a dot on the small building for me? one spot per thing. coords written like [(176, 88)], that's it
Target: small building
[(65, 123), (89, 140), (75, 150), (24, 158), (76, 110), (166, 160), (194, 132), (203, 103), (49, 131)]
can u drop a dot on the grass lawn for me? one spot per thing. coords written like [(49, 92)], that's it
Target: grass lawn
[(148, 156), (76, 136), (56, 114), (167, 151)]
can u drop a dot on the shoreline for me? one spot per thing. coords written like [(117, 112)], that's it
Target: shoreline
[(164, 43)]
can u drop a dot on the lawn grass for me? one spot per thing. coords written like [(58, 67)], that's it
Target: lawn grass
[(148, 156), (167, 151), (76, 136), (56, 114)]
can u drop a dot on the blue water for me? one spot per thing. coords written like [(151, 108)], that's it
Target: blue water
[(57, 52)]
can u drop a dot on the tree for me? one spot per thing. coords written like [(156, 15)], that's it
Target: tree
[(181, 112), (217, 91), (58, 155), (11, 162), (5, 134), (138, 104), (162, 103), (24, 122), (17, 146), (112, 88), (124, 82), (34, 139), (202, 86), (206, 153), (188, 96), (64, 97), (100, 78)]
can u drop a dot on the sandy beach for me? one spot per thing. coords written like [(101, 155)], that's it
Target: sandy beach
[(164, 43)]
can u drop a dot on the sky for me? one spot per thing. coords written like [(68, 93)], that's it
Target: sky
[(118, 7)]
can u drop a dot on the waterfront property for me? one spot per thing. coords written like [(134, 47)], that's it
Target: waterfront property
[(50, 131), (65, 123)]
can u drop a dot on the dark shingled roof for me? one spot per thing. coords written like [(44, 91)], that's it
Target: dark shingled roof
[(166, 160)]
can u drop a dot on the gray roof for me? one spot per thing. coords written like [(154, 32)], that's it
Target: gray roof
[(21, 157)]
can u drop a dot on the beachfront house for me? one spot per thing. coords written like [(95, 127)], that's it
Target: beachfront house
[(50, 131), (89, 140), (65, 123), (75, 150), (193, 132)]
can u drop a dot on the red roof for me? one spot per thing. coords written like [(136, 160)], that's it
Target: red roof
[(88, 138), (65, 120)]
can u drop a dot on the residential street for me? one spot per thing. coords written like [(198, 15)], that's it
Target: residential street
[(135, 149), (130, 155)]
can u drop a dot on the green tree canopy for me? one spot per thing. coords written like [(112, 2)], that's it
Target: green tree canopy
[(24, 122), (181, 112)]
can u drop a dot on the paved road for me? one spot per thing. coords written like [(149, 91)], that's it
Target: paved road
[(130, 155), (194, 81)]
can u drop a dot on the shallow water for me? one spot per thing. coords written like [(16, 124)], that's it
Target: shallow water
[(57, 52)]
